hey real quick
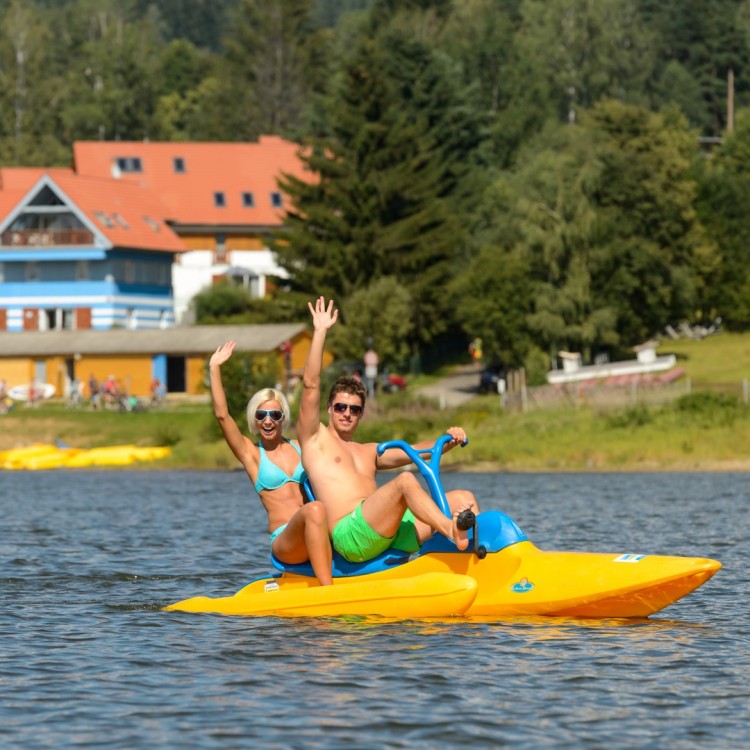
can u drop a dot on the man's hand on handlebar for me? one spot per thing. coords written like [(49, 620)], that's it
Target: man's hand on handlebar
[(458, 437)]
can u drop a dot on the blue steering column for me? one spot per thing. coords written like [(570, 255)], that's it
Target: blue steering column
[(430, 470)]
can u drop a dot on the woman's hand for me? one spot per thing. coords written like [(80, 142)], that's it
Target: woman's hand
[(222, 354)]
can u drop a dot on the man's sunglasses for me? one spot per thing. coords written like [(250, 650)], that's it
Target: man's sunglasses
[(276, 415), (355, 409)]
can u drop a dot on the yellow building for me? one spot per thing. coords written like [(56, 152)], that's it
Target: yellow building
[(176, 356)]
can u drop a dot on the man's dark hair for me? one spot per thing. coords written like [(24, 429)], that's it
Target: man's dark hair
[(346, 384)]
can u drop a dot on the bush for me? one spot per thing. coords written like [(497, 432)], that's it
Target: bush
[(636, 416), (707, 408)]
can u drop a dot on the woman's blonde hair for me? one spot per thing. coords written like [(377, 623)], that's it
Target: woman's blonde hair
[(263, 395)]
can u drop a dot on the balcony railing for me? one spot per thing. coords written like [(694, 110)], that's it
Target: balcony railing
[(46, 237)]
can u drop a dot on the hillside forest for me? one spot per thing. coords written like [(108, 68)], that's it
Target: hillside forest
[(544, 174)]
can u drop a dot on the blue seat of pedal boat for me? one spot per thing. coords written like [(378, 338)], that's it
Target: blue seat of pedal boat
[(495, 531), (343, 568)]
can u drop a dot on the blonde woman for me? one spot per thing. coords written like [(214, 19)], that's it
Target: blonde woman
[(299, 530)]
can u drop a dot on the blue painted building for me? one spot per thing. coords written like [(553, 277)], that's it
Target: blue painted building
[(83, 253)]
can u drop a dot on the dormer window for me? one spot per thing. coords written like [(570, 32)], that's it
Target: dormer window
[(276, 201), (179, 164), (104, 219), (219, 200), (248, 201), (129, 164)]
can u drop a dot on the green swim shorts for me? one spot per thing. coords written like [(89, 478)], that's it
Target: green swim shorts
[(355, 540)]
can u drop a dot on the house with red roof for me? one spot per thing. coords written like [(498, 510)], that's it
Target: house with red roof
[(124, 240), (130, 234), (221, 199), (82, 252)]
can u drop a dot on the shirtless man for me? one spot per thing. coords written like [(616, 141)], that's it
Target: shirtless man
[(364, 520)]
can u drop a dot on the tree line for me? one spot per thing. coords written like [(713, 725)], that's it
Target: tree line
[(544, 174)]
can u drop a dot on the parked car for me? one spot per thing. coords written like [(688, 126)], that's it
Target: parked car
[(490, 376), (387, 381), (390, 383)]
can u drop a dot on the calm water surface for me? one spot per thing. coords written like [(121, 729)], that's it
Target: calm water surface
[(87, 659)]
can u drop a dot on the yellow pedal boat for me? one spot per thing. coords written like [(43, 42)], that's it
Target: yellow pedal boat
[(510, 576)]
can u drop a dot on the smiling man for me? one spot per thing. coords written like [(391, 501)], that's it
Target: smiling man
[(364, 519)]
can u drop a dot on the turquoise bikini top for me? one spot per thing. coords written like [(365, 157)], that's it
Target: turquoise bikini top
[(271, 477)]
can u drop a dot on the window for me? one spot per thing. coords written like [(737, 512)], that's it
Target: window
[(2, 273), (129, 272), (129, 164), (221, 248), (32, 270), (247, 200), (276, 201), (120, 221), (219, 200), (179, 164), (104, 219), (48, 319), (82, 270), (46, 197)]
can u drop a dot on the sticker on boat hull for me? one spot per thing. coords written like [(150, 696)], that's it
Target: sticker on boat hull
[(629, 558), (270, 586), (522, 586)]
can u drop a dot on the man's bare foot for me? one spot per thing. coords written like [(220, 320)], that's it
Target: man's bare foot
[(459, 536)]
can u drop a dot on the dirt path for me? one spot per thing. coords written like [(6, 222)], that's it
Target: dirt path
[(455, 389)]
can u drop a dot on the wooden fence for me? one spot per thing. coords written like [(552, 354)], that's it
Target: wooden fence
[(603, 396)]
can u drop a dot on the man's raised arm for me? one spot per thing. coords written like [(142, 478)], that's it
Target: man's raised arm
[(309, 412)]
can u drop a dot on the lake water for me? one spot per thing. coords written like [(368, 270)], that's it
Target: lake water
[(88, 659)]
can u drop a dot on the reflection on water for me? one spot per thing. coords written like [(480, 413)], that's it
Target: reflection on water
[(89, 659)]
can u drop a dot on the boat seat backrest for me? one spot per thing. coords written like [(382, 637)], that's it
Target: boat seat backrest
[(342, 568)]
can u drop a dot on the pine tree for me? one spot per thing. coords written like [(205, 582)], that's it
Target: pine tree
[(390, 199)]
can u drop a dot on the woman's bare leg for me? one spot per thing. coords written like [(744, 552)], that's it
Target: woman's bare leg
[(306, 538)]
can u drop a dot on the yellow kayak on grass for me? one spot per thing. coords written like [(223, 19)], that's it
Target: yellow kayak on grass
[(50, 456), (112, 455), (117, 455), (426, 595), (53, 459), (15, 457)]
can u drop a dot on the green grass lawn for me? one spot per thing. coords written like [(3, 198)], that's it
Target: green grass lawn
[(718, 359)]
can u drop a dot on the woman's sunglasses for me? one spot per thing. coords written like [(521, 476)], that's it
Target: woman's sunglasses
[(355, 409), (276, 415)]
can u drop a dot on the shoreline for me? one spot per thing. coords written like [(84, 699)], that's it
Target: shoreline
[(707, 467)]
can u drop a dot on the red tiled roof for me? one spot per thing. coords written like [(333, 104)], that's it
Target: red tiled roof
[(15, 182), (209, 168), (22, 179), (125, 213)]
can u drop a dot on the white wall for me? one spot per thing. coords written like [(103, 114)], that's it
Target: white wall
[(195, 270)]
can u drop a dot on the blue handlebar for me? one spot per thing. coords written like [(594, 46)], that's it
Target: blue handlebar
[(430, 470)]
